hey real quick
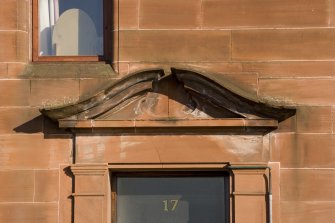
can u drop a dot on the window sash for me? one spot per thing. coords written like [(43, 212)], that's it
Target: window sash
[(107, 26), (161, 205)]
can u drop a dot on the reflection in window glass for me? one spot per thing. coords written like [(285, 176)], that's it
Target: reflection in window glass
[(171, 200), (70, 27)]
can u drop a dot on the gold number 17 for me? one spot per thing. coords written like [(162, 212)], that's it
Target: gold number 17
[(174, 204)]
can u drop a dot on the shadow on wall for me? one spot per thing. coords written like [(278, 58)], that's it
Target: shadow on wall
[(68, 173), (41, 124), (34, 125)]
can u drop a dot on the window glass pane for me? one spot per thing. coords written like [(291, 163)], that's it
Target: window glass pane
[(171, 200), (70, 27)]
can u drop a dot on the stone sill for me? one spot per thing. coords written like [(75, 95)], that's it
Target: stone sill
[(74, 70)]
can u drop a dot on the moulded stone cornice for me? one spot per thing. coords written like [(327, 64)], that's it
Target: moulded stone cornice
[(89, 169)]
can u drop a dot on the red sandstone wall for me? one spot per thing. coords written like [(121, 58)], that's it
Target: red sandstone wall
[(14, 37), (30, 166), (278, 50)]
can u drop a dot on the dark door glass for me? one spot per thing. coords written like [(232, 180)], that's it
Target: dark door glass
[(171, 199)]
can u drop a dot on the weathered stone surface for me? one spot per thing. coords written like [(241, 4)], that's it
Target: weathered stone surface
[(128, 14), (54, 92), (283, 44), (163, 149), (65, 194), (331, 13), (312, 119), (20, 120), (90, 184), (307, 185), (8, 15), (91, 214), (3, 69), (307, 211), (14, 92), (227, 68), (22, 47), (33, 151), (99, 149), (229, 71), (250, 208), (16, 186), (291, 69), (276, 203), (173, 14), (174, 46), (250, 182), (47, 185), (68, 70), (16, 69), (23, 9), (29, 212), (292, 91), (92, 86), (288, 125), (261, 13), (303, 150), (266, 69)]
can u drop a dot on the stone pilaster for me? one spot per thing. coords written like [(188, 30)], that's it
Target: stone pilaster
[(91, 193)]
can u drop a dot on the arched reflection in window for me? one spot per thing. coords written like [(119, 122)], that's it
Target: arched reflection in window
[(70, 27)]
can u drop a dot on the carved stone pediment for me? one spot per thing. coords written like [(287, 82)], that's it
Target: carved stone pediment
[(150, 99)]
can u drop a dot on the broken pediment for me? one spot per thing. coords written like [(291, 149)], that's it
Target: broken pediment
[(151, 99)]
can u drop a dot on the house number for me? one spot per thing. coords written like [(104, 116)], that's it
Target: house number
[(170, 205)]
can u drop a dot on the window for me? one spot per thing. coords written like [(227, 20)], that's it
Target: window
[(171, 197), (69, 30)]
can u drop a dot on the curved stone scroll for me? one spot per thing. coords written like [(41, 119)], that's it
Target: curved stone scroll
[(108, 98), (201, 99), (200, 85)]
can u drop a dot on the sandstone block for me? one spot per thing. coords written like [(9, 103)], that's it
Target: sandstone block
[(307, 185), (283, 44), (14, 92), (264, 13), (174, 46), (8, 15), (173, 14), (303, 150), (16, 185), (46, 185)]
